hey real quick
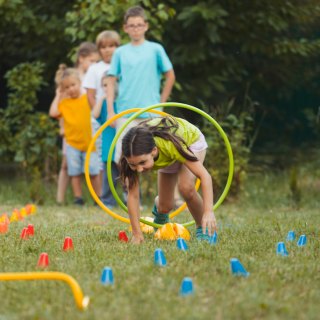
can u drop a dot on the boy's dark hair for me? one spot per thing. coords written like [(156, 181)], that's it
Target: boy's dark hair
[(135, 12), (139, 140)]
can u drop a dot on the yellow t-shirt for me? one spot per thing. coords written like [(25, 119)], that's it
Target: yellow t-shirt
[(168, 153), (77, 124)]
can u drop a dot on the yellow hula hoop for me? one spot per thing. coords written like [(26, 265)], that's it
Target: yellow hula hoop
[(86, 167)]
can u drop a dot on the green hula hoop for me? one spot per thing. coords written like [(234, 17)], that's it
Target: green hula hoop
[(179, 105)]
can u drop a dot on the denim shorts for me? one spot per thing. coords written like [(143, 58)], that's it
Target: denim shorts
[(76, 160)]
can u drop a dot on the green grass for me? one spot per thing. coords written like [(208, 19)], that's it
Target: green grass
[(277, 288)]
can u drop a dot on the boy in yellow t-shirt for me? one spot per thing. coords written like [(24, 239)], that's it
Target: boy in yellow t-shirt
[(76, 113)]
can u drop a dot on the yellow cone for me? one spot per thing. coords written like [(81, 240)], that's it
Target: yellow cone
[(33, 209), (14, 217), (23, 212), (144, 227), (172, 231)]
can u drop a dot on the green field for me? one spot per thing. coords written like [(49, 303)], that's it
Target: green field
[(250, 228)]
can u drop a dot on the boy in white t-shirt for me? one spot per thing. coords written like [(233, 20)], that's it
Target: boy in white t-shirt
[(107, 42)]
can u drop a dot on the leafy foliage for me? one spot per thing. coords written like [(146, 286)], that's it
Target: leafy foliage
[(31, 135), (238, 124)]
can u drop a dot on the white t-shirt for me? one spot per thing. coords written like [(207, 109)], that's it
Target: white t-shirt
[(93, 76)]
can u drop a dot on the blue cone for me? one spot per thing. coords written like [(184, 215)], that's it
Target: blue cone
[(213, 238), (281, 249), (237, 268), (107, 276), (302, 241), (290, 236), (186, 287), (159, 258), (181, 244)]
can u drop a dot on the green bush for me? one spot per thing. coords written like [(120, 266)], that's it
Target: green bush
[(239, 128), (27, 137)]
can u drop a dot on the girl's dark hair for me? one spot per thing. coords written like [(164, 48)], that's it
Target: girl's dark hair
[(85, 49), (139, 140)]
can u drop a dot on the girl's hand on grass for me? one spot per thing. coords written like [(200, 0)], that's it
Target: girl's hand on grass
[(137, 239), (209, 221)]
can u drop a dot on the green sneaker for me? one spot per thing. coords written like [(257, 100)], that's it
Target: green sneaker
[(159, 218), (201, 236)]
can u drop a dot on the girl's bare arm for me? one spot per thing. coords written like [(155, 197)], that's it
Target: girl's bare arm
[(97, 107), (54, 108), (133, 203), (208, 218)]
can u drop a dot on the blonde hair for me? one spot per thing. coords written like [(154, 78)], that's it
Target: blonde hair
[(64, 72), (110, 36), (85, 49)]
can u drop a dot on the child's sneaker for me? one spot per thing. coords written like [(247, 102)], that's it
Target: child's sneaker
[(79, 202), (159, 218), (201, 236)]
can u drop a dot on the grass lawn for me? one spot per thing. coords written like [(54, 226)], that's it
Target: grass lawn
[(277, 287)]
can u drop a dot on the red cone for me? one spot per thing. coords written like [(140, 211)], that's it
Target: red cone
[(123, 236), (25, 234), (43, 261), (68, 245), (30, 229)]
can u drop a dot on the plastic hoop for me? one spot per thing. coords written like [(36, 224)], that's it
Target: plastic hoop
[(181, 105), (87, 176)]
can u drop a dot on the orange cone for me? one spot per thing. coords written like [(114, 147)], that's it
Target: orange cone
[(2, 227), (18, 214), (28, 208)]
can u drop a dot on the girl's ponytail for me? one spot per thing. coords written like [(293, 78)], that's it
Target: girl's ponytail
[(126, 173)]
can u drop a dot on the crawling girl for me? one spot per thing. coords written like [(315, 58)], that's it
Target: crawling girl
[(176, 149)]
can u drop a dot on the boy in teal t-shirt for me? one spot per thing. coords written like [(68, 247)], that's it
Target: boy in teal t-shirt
[(140, 64)]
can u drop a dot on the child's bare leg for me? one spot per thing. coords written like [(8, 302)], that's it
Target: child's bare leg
[(95, 181), (99, 192), (165, 199), (63, 180), (188, 191), (76, 186)]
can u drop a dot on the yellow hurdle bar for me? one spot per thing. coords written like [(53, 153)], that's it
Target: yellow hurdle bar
[(81, 301)]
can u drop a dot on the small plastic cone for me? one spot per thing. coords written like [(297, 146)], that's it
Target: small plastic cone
[(6, 218), (14, 217), (166, 232), (123, 236), (33, 209), (18, 214), (68, 245), (2, 227), (43, 261), (144, 227), (30, 229), (24, 234), (23, 212), (28, 208), (181, 231)]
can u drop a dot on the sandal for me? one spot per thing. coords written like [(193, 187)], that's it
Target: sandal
[(178, 202)]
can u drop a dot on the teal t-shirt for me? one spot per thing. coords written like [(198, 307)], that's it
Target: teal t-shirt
[(108, 133), (140, 69)]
